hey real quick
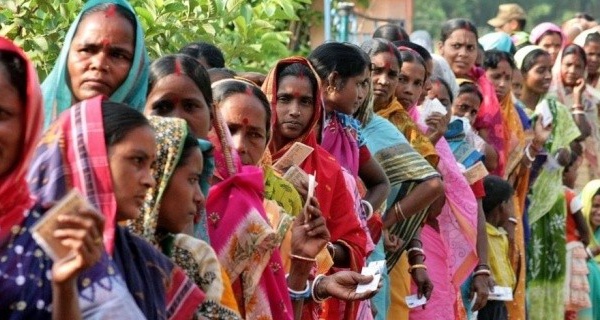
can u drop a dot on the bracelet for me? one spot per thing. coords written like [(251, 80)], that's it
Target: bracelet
[(415, 249), (527, 154), (589, 253), (577, 106), (299, 295), (481, 272), (577, 111), (297, 257), (482, 266), (397, 208), (513, 220), (369, 210), (313, 292), (417, 266)]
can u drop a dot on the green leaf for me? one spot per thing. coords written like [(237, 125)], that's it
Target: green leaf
[(41, 43), (175, 7)]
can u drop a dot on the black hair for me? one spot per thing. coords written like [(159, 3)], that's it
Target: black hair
[(592, 37), (122, 11), (118, 120), (575, 49), (15, 70), (413, 57), (573, 156), (226, 88), (296, 70), (446, 85), (211, 53), (173, 63), (531, 58), (548, 33), (343, 58), (585, 16), (391, 32), (497, 190), (376, 46), (419, 49), (217, 74), (454, 24), (189, 143), (469, 87), (597, 193), (493, 57)]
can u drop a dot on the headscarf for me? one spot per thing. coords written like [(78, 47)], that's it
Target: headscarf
[(540, 29), (587, 197), (581, 38), (13, 186), (442, 70), (56, 88), (497, 40), (336, 205), (523, 53), (422, 38)]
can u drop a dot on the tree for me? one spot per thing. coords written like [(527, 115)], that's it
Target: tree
[(253, 34)]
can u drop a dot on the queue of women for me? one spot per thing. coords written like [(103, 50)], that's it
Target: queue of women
[(467, 177)]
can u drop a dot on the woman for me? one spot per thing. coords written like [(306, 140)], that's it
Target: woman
[(170, 208), (546, 213), (590, 196), (548, 36), (103, 54), (105, 150), (589, 40), (293, 121), (458, 46)]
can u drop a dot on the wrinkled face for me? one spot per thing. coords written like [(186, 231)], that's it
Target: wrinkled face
[(345, 98), (295, 107), (466, 105), (592, 53), (501, 78), (11, 124), (130, 162), (439, 91), (595, 212), (176, 95), (410, 84), (539, 77), (100, 55), (551, 43), (246, 118), (517, 83), (460, 50), (182, 199), (571, 69), (385, 73)]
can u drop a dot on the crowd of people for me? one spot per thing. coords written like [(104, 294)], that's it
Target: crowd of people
[(397, 179)]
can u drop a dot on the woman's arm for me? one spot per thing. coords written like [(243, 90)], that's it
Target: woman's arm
[(422, 196)]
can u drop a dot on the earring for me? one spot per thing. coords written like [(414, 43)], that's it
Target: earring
[(331, 89)]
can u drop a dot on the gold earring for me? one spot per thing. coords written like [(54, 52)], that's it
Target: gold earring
[(330, 89)]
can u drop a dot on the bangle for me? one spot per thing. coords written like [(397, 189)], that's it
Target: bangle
[(313, 291), (415, 249), (299, 295), (417, 266), (513, 220), (589, 253), (482, 266), (577, 111), (297, 257), (527, 154), (398, 208), (482, 272), (577, 106), (369, 210)]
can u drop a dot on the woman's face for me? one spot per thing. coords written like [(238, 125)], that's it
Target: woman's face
[(466, 105), (11, 124), (176, 95), (501, 78), (385, 73), (363, 89), (539, 77), (182, 199), (100, 55), (410, 84), (571, 69), (592, 54), (439, 91), (517, 83), (460, 50), (295, 107), (551, 43), (595, 212), (130, 162), (246, 118), (345, 98)]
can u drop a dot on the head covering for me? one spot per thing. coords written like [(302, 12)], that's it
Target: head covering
[(422, 38), (497, 40), (442, 70), (581, 38), (587, 197), (56, 89), (507, 12), (540, 29), (523, 53), (13, 186)]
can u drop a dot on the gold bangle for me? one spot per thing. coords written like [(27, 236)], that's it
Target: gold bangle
[(398, 208), (295, 256), (417, 266)]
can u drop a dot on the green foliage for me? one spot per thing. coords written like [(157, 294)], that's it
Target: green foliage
[(253, 34)]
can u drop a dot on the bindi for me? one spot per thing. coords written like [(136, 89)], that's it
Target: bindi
[(177, 70), (105, 43), (110, 11), (296, 94)]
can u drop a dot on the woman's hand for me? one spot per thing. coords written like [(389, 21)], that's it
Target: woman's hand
[(309, 238), (563, 156), (391, 242), (342, 285), (438, 125), (423, 283), (482, 285), (82, 233), (540, 134), (578, 90)]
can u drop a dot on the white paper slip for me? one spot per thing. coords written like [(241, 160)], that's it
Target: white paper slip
[(474, 313), (297, 153), (414, 301), (312, 183), (430, 106), (378, 267), (543, 109), (501, 294), (371, 286)]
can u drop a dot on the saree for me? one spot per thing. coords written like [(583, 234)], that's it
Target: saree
[(56, 88), (546, 252), (240, 233), (587, 197), (194, 256), (336, 203), (73, 155)]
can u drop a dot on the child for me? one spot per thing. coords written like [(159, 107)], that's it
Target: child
[(497, 206)]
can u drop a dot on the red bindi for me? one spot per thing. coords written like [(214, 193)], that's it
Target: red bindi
[(110, 11), (301, 75), (245, 121), (177, 70), (249, 91), (105, 42), (296, 94)]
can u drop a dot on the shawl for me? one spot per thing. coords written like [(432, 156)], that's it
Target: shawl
[(540, 29), (195, 256), (73, 154), (489, 117), (336, 203), (56, 89), (341, 137), (587, 197), (241, 234), (13, 186), (497, 40), (514, 134)]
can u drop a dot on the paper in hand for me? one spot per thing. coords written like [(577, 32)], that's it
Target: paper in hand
[(431, 106), (295, 155), (414, 301), (312, 184), (375, 269), (43, 230), (501, 294), (543, 110), (296, 176)]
